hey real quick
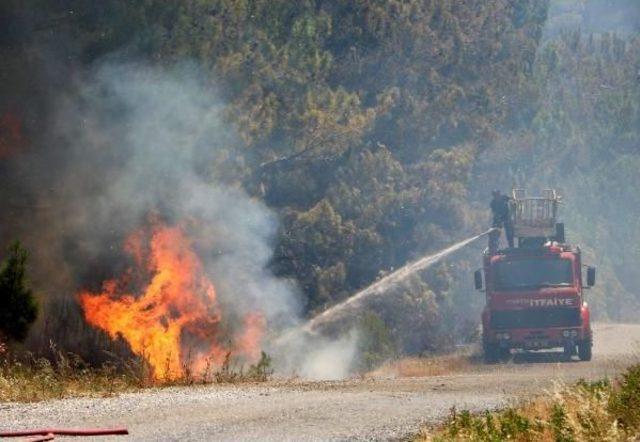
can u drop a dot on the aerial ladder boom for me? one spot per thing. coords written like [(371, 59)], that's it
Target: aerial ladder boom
[(534, 220)]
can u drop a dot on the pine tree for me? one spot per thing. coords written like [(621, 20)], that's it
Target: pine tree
[(18, 307)]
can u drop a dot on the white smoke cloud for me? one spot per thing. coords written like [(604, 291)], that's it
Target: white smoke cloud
[(331, 359), (312, 356)]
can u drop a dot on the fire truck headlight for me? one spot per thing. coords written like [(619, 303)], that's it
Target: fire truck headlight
[(501, 336), (566, 333), (574, 333)]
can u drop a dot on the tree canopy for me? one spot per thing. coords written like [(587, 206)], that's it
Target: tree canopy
[(376, 129)]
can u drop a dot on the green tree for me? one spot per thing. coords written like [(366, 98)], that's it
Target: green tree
[(376, 344), (18, 307)]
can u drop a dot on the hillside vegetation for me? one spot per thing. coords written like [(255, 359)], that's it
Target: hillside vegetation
[(376, 129)]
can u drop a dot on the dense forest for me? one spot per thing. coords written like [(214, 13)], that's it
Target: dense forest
[(373, 130)]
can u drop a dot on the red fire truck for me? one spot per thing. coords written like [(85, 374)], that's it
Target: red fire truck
[(534, 291)]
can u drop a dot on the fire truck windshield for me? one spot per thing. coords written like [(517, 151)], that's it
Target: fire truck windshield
[(522, 274)]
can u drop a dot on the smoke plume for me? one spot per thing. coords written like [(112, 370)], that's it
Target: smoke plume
[(131, 146)]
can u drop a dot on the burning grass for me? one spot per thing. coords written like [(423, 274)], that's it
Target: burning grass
[(172, 319), (165, 310), (597, 411)]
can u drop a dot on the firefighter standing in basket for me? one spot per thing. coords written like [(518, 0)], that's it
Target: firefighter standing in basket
[(501, 210)]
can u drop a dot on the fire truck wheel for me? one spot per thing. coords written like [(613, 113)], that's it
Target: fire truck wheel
[(504, 354), (584, 350), (490, 354), (494, 354), (569, 351)]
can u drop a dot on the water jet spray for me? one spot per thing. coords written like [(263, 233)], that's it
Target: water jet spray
[(378, 288), (382, 286)]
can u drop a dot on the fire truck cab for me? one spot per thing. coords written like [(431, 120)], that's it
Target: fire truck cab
[(534, 291)]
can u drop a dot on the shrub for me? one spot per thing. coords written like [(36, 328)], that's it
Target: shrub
[(491, 427), (625, 401), (376, 344), (562, 431)]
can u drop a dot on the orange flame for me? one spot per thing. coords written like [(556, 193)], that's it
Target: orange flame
[(175, 322)]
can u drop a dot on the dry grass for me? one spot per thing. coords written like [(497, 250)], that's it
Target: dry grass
[(598, 411), (458, 362), (29, 379), (26, 378)]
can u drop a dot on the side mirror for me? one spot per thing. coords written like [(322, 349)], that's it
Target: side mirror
[(591, 276), (477, 279)]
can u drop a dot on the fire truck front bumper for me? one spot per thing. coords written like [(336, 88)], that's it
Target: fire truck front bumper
[(537, 338)]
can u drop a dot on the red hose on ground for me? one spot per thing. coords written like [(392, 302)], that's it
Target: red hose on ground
[(46, 438), (65, 432)]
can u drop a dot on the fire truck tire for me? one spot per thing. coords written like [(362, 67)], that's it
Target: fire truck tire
[(569, 351), (584, 350), (490, 353), (494, 354)]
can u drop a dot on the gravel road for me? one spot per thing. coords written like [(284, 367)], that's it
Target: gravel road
[(363, 409)]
